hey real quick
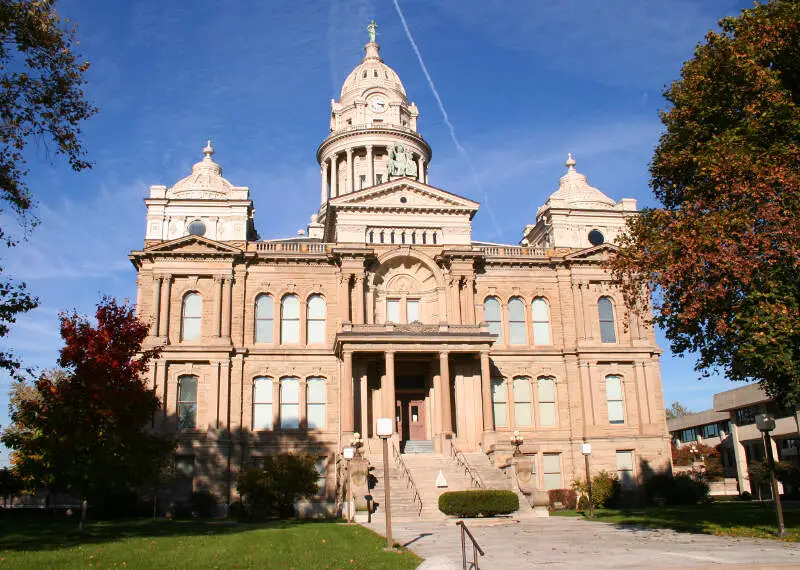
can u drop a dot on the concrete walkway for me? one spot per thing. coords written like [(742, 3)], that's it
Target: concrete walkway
[(559, 542)]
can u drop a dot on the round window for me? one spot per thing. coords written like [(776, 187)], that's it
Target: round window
[(197, 228), (596, 237), (403, 199)]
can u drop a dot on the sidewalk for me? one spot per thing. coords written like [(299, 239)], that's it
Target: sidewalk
[(560, 542)]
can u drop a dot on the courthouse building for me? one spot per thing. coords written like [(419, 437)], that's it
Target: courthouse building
[(388, 306)]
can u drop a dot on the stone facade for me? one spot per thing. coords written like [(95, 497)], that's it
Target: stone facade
[(388, 307)]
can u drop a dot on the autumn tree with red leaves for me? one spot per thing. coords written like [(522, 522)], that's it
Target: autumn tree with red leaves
[(85, 429), (721, 257)]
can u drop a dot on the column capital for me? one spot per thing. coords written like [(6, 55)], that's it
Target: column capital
[(349, 152), (369, 147), (444, 353)]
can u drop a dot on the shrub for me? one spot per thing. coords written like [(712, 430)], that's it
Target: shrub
[(746, 496), (683, 489), (485, 503), (274, 487), (567, 497), (605, 489), (237, 511), (204, 504)]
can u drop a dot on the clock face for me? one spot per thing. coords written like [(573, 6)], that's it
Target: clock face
[(378, 104)]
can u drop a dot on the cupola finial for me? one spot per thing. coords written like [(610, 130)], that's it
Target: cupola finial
[(208, 151), (570, 164), (372, 28)]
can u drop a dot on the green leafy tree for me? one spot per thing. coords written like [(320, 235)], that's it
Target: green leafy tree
[(274, 487), (677, 410), (85, 428), (41, 100), (722, 253)]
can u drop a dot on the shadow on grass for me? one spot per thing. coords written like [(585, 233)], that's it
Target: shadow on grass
[(36, 533)]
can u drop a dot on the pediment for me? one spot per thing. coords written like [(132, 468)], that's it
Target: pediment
[(418, 196), (600, 252), (193, 245)]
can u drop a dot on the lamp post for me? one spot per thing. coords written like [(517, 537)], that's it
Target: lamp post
[(384, 429), (348, 453), (516, 441), (586, 449), (766, 423)]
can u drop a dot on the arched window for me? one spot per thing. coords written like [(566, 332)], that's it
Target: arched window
[(541, 321), (315, 403), (491, 314), (190, 321), (315, 320), (262, 403), (605, 309), (547, 401), (499, 402), (522, 402), (264, 318), (187, 402), (616, 408), (290, 403), (516, 321), (290, 319)]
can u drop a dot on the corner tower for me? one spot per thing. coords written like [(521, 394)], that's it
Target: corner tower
[(373, 131)]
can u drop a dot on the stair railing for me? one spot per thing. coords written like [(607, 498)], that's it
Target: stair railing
[(459, 458), (475, 548), (407, 474)]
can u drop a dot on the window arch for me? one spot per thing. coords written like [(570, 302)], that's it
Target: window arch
[(315, 403), (290, 403), (540, 310), (499, 402), (547, 400), (290, 319), (192, 310), (605, 309), (262, 403), (523, 416), (616, 407), (264, 318), (516, 321), (491, 314), (315, 320), (187, 402)]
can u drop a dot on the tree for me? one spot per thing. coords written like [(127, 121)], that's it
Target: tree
[(85, 428), (721, 257), (676, 410), (41, 100), (276, 485)]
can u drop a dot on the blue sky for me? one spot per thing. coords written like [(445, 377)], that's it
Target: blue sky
[(523, 83)]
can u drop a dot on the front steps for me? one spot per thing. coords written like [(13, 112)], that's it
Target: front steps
[(423, 446)]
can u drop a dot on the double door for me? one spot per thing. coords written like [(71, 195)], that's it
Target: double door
[(411, 417)]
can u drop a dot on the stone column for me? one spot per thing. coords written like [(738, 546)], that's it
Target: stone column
[(387, 389), (444, 372), (364, 396), (334, 177), (420, 168), (157, 280), (370, 167), (350, 185), (469, 294), (346, 387), (165, 302), (454, 293), (486, 392), (370, 305), (358, 299), (218, 284), (739, 456), (227, 283), (324, 185), (587, 323), (344, 296)]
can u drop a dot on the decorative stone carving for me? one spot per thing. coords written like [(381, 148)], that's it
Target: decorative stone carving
[(401, 162)]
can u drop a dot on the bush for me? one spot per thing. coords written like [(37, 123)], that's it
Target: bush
[(485, 503), (605, 489), (237, 511), (746, 496), (567, 497), (683, 489), (204, 504), (273, 488)]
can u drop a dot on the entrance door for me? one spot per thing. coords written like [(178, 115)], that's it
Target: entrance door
[(411, 413)]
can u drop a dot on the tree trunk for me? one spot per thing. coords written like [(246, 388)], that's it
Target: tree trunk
[(84, 505)]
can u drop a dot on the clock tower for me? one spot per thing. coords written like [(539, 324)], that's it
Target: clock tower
[(373, 132)]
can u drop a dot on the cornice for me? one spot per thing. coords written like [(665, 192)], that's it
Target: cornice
[(358, 131)]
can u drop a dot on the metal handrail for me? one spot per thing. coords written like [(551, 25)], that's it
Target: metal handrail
[(404, 471), (475, 548), (459, 457)]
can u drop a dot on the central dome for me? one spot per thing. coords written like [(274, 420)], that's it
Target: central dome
[(371, 74)]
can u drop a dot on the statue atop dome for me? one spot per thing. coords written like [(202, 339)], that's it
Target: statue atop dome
[(401, 162), (372, 28)]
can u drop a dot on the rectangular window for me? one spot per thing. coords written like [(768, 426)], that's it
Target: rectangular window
[(522, 402), (499, 402), (315, 403), (710, 430), (378, 178), (616, 413), (412, 310), (187, 402), (625, 469), (547, 402), (552, 471), (392, 310), (262, 404), (321, 466), (362, 180), (290, 403), (746, 416)]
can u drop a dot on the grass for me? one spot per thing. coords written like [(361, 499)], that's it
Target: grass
[(31, 543), (741, 519)]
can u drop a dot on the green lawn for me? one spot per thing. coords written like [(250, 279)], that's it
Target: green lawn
[(56, 543), (720, 518)]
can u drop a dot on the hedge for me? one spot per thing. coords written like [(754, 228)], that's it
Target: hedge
[(485, 503)]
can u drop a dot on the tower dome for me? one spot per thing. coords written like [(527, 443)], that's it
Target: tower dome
[(372, 74)]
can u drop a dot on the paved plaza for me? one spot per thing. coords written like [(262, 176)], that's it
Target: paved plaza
[(559, 542)]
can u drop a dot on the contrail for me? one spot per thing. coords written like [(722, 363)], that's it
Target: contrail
[(460, 148)]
